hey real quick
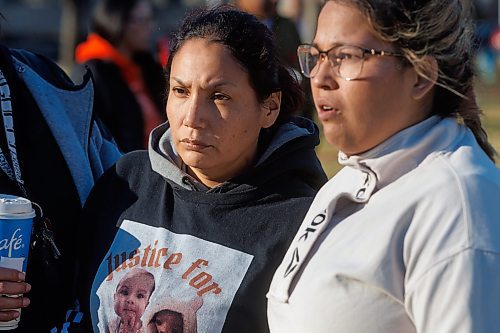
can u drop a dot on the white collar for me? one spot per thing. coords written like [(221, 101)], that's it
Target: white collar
[(405, 150)]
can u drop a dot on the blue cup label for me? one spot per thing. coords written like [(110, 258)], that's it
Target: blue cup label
[(15, 237)]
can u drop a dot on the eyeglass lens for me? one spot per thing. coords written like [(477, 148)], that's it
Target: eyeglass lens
[(347, 61)]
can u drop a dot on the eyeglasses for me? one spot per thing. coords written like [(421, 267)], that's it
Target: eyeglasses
[(346, 60)]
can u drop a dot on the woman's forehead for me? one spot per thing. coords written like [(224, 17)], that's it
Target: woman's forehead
[(340, 24), (207, 63)]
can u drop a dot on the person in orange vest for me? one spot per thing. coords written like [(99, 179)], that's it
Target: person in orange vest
[(129, 82)]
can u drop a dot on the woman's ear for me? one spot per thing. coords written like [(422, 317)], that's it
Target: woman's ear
[(271, 109), (424, 83)]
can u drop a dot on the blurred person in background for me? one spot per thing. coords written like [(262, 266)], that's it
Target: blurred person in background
[(303, 13), (129, 82), (53, 154), (486, 17), (406, 237), (286, 37), (285, 32)]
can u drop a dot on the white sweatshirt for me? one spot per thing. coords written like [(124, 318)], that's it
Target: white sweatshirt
[(405, 238)]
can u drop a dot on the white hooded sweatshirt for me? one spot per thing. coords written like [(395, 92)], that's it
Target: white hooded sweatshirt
[(405, 238)]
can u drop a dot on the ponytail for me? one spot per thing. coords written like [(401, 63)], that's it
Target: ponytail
[(470, 112)]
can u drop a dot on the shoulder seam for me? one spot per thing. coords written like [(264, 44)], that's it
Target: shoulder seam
[(448, 258)]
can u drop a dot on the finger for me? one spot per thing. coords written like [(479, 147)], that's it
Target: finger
[(14, 288), (8, 274), (8, 315), (129, 315), (128, 322), (13, 302)]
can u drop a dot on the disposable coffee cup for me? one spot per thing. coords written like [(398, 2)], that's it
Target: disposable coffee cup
[(16, 220)]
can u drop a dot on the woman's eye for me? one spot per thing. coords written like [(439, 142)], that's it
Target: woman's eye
[(178, 91), (220, 97), (343, 56)]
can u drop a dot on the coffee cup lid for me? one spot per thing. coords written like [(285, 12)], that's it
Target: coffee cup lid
[(12, 206)]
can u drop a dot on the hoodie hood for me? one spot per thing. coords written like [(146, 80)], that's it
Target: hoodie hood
[(291, 149)]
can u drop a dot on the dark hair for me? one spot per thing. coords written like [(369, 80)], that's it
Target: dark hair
[(109, 18), (167, 311), (443, 29), (251, 44)]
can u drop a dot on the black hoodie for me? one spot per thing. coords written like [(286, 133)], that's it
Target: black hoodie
[(212, 252)]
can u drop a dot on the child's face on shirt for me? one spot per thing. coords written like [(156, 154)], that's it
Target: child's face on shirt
[(132, 296), (169, 322)]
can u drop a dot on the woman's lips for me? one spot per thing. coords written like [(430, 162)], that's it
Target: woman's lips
[(325, 112), (194, 144)]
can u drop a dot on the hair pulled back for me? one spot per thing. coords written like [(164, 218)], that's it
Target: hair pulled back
[(251, 44)]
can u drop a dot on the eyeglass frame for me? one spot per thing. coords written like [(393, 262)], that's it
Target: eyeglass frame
[(324, 55)]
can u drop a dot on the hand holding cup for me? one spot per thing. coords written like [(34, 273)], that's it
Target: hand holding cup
[(12, 285), (16, 221)]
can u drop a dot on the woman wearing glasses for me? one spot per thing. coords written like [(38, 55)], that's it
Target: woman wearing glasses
[(405, 238), (213, 205)]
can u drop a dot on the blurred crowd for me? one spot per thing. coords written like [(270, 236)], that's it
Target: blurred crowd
[(488, 40), (34, 33), (125, 43)]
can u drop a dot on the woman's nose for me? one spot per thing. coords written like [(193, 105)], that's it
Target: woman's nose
[(325, 78), (195, 113)]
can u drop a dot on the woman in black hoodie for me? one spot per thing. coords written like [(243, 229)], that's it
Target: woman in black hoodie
[(210, 209)]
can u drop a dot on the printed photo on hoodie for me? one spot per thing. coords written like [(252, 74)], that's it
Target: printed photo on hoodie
[(153, 280)]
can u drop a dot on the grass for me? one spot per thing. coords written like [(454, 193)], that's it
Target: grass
[(489, 101), (488, 98)]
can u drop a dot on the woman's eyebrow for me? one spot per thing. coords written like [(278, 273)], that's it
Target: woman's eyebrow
[(210, 85)]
